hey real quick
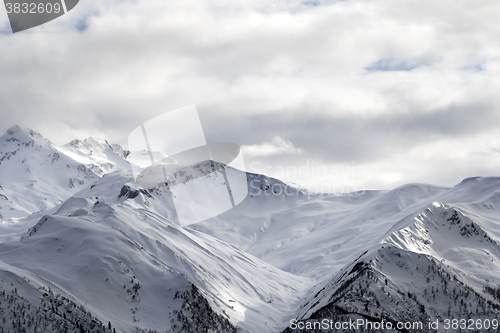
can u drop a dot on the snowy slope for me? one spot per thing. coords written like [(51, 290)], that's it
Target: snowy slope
[(279, 228), (97, 250), (443, 263), (114, 250), (27, 307), (36, 175), (102, 156)]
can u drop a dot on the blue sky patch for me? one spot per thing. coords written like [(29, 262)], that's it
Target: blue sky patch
[(391, 65)]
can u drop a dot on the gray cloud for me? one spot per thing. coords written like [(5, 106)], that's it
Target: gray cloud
[(369, 82)]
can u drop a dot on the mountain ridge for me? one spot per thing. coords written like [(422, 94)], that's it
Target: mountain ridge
[(37, 175), (418, 252)]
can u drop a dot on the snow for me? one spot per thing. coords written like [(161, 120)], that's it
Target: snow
[(117, 248), (36, 175), (91, 256)]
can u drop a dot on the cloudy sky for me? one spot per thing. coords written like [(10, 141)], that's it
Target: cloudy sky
[(334, 95)]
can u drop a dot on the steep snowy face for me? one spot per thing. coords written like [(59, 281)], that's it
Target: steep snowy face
[(464, 242), (102, 156), (36, 175), (442, 263)]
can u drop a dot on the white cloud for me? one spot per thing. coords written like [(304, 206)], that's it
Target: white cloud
[(277, 146)]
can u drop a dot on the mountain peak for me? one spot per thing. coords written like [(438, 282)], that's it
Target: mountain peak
[(96, 142), (74, 143), (14, 129), (18, 136), (27, 131)]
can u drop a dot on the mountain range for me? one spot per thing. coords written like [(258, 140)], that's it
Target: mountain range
[(84, 249)]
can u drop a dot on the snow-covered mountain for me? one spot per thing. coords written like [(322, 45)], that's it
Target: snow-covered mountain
[(36, 175), (110, 254)]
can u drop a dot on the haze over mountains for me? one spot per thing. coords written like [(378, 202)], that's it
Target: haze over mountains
[(81, 245)]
